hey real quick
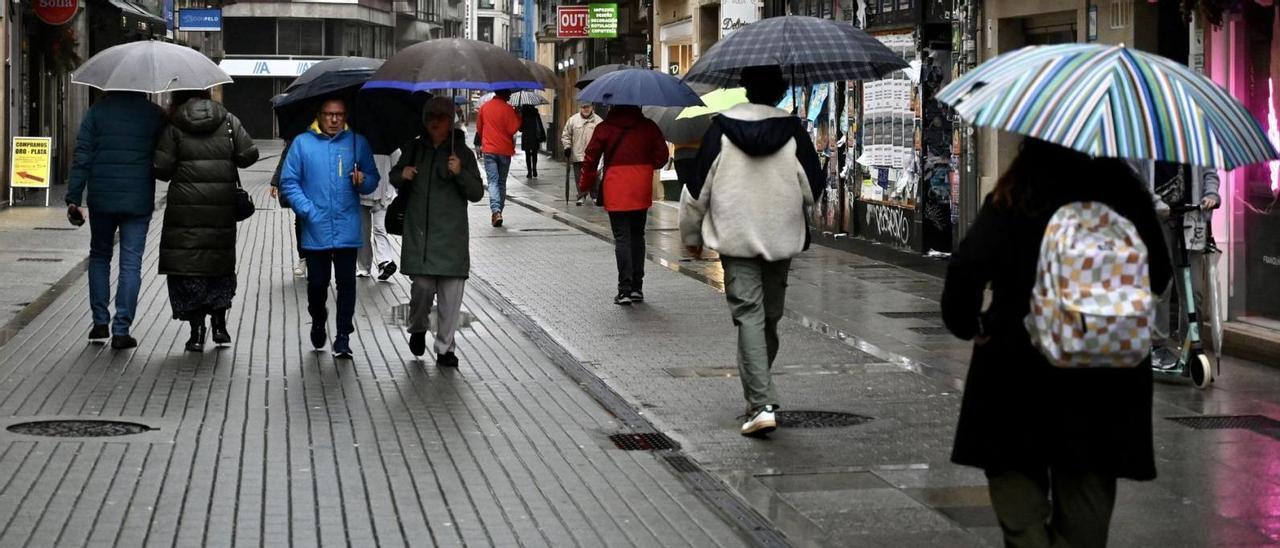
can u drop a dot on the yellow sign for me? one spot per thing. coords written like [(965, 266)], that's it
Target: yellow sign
[(30, 165)]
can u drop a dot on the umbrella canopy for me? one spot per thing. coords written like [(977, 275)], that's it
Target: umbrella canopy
[(520, 99), (809, 50), (149, 67), (595, 74), (640, 88), (296, 109), (676, 129), (716, 101), (453, 63), (330, 65), (542, 73), (1111, 101)]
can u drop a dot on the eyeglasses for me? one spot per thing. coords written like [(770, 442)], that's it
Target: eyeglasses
[(333, 114)]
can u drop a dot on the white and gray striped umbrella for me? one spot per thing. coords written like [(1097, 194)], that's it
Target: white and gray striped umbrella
[(809, 51), (149, 67)]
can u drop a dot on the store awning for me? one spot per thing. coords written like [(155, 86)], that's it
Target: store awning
[(129, 9)]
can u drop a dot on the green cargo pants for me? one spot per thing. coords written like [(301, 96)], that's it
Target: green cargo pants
[(1051, 508), (757, 291)]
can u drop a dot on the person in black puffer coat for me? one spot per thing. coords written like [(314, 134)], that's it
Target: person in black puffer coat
[(532, 135), (199, 153)]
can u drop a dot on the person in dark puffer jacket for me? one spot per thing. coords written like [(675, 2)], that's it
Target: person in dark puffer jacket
[(113, 162), (199, 153)]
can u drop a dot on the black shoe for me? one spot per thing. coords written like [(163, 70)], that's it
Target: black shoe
[(100, 333), (218, 326), (637, 296), (448, 359), (198, 334), (317, 335), (418, 344), (342, 347), (622, 299), (122, 342), (387, 270)]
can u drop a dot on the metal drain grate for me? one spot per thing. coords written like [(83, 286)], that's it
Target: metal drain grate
[(38, 260), (78, 428), (930, 330), (819, 419), (1256, 423), (649, 441), (922, 315), (541, 230), (682, 464), (58, 228)]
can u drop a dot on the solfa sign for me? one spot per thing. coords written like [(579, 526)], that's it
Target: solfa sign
[(55, 12), (571, 21)]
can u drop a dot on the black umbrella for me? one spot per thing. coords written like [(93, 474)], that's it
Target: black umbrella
[(296, 109), (543, 73), (444, 63), (595, 74), (330, 65), (676, 130), (809, 51)]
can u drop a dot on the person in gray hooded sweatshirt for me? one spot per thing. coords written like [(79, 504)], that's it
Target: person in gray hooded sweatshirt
[(757, 173)]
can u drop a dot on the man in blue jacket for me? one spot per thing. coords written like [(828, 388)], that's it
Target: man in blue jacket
[(112, 160), (327, 168)]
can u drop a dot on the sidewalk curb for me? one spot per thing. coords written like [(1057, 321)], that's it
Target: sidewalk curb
[(33, 310), (813, 324), (707, 486)]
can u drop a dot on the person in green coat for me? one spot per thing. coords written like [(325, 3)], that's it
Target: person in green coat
[(440, 175)]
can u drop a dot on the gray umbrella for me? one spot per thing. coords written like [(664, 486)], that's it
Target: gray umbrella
[(676, 131), (149, 67), (543, 73)]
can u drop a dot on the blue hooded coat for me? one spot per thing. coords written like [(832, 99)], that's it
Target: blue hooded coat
[(317, 182)]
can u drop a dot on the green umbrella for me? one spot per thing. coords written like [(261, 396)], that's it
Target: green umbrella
[(719, 100)]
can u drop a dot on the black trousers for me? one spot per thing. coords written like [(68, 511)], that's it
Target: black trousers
[(628, 247), (531, 162), (1051, 507), (322, 266)]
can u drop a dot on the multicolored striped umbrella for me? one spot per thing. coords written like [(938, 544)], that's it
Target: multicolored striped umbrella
[(1111, 101)]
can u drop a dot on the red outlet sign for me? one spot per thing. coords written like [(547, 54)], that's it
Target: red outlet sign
[(55, 12), (571, 21)]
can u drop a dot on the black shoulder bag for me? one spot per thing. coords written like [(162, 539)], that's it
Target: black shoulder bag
[(244, 204), (400, 204)]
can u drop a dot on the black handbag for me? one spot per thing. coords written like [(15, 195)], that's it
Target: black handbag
[(400, 204), (244, 204)]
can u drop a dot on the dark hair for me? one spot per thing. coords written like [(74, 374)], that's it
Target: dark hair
[(764, 84), (505, 94), (1040, 166)]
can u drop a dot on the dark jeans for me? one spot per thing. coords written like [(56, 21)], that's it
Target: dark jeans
[(297, 233), (1052, 507), (133, 239), (628, 247), (321, 267)]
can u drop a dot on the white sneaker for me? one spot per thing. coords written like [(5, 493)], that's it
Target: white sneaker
[(761, 423), (362, 273), (300, 269)]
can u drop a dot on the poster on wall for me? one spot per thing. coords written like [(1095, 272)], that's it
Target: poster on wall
[(890, 121)]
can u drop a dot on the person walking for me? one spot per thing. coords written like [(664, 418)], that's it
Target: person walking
[(112, 163), (496, 127), (327, 169), (756, 174), (574, 138), (376, 250), (1051, 459), (299, 268), (632, 147), (440, 176), (532, 135), (199, 154)]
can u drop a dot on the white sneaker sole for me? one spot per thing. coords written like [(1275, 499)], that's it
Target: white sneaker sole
[(760, 428)]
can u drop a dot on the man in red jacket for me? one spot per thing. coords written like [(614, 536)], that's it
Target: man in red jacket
[(496, 125), (632, 147)]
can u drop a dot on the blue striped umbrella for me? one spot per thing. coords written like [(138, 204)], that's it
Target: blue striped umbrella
[(1111, 101)]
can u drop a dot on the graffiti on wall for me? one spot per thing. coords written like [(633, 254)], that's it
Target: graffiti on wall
[(888, 224)]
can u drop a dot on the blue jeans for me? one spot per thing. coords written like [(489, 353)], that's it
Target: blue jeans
[(133, 238), (496, 167)]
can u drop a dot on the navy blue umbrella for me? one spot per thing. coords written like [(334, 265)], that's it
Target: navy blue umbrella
[(640, 87)]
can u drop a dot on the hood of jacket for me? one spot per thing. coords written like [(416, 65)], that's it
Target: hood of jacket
[(624, 117), (200, 116), (757, 130)]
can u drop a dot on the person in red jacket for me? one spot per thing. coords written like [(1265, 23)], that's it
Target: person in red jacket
[(496, 126), (632, 147)]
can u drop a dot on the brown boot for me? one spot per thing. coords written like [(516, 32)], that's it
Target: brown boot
[(497, 219)]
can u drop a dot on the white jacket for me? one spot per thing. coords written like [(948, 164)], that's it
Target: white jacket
[(577, 133), (752, 203)]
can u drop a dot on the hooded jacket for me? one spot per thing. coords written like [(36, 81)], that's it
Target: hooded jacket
[(199, 153), (113, 155), (757, 172), (317, 182), (631, 147)]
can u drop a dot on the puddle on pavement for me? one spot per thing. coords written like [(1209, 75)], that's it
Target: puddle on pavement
[(399, 316)]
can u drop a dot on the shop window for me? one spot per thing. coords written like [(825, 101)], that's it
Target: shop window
[(300, 37), (1121, 13), (249, 36)]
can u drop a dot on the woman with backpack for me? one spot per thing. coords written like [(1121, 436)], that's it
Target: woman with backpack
[(199, 153), (1052, 440), (632, 148)]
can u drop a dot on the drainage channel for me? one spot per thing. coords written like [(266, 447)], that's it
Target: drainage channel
[(642, 434)]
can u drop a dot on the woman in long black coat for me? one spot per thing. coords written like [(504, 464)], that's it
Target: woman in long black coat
[(532, 135), (1036, 429), (199, 153)]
